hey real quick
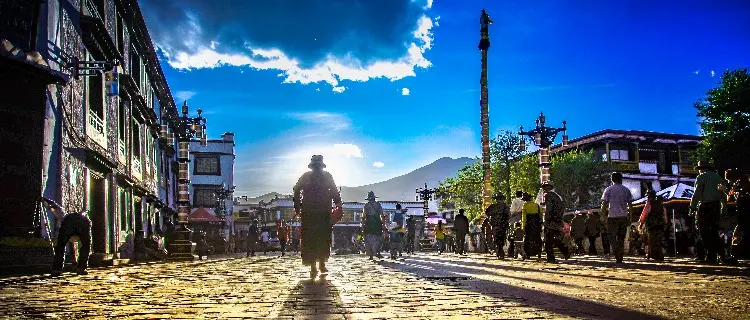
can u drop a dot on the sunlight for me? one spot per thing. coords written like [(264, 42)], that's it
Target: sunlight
[(343, 161)]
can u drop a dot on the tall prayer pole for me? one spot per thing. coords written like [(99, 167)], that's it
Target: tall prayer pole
[(484, 45)]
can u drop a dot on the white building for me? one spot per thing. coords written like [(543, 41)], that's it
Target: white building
[(211, 169)]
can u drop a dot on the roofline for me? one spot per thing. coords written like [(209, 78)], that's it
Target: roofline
[(663, 135)]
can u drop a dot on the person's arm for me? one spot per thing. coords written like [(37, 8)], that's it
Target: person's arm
[(630, 206), (697, 194), (297, 194), (664, 210), (336, 195)]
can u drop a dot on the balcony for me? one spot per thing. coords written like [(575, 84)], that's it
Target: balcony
[(137, 169), (95, 129), (625, 166), (94, 34)]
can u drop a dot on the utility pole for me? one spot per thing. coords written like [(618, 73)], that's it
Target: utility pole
[(484, 45)]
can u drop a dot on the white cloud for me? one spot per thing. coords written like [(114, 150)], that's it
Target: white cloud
[(378, 164), (328, 121), (184, 95), (331, 70), (405, 91), (713, 73), (317, 89), (696, 72), (347, 150)]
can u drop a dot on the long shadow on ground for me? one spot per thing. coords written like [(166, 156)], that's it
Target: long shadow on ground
[(535, 298), (313, 298)]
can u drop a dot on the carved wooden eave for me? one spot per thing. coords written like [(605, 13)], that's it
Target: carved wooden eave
[(30, 62), (630, 135), (96, 38)]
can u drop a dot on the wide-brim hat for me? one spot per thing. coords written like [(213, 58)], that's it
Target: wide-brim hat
[(316, 161), (371, 195), (703, 165)]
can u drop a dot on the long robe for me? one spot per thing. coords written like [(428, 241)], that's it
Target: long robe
[(313, 194)]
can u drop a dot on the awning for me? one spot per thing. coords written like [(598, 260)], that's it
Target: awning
[(202, 215), (679, 191)]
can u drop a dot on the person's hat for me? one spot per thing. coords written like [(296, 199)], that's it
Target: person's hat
[(371, 196), (499, 196), (548, 184), (703, 165), (316, 161)]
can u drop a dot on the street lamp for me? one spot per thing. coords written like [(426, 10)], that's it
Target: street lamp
[(425, 194), (186, 128), (222, 195), (543, 137)]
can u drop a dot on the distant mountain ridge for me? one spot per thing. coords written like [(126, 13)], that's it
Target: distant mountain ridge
[(402, 188)]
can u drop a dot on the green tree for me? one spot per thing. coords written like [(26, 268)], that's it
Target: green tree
[(464, 191), (525, 174), (579, 177), (725, 121), (504, 150)]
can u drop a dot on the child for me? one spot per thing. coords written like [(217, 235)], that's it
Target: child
[(518, 238), (396, 238)]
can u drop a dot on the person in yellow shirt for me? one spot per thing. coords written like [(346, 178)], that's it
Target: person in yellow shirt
[(439, 236), (531, 220)]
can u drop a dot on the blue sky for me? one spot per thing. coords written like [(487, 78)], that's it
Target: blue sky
[(383, 87)]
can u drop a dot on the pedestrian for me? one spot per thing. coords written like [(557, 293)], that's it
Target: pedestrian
[(738, 189), (265, 237), (296, 236), (531, 221), (511, 239), (553, 222), (396, 238), (252, 238), (635, 241), (516, 206), (593, 230), (518, 241), (439, 236), (654, 218), (707, 205), (578, 230), (314, 193), (498, 214), (487, 235), (73, 224), (411, 230), (373, 213), (461, 225), (616, 202), (283, 235)]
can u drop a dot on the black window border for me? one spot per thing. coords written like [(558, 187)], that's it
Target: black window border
[(214, 173)]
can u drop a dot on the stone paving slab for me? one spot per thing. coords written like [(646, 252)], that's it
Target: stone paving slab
[(422, 286)]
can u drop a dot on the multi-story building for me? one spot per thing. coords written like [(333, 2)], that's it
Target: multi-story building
[(74, 137), (212, 169), (647, 159)]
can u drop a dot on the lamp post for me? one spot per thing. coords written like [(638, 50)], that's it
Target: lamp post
[(186, 128), (425, 194), (222, 195), (543, 137)]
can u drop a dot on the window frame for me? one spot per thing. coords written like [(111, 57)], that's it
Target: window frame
[(199, 157), (211, 190)]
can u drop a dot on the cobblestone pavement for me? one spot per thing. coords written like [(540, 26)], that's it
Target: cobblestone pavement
[(423, 286)]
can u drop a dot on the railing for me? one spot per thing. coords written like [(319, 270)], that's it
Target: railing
[(95, 129), (92, 10), (122, 149), (137, 168), (626, 166)]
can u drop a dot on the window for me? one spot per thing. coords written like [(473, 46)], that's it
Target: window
[(135, 65), (137, 140), (120, 36), (123, 119), (207, 165), (95, 93), (205, 197), (618, 155)]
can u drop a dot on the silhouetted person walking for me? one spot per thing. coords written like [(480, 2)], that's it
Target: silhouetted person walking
[(73, 224), (461, 225), (313, 195)]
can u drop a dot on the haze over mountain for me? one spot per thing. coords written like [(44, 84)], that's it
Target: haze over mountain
[(400, 188)]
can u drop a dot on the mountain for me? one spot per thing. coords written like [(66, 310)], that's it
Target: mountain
[(402, 188), (265, 198)]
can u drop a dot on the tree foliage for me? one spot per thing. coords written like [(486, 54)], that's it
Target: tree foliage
[(504, 150), (464, 191), (579, 178), (725, 121), (525, 174)]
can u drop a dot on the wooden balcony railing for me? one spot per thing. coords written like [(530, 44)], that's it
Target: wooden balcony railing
[(625, 166), (95, 129)]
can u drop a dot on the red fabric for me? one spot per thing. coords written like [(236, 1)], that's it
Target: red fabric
[(336, 215), (202, 215)]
